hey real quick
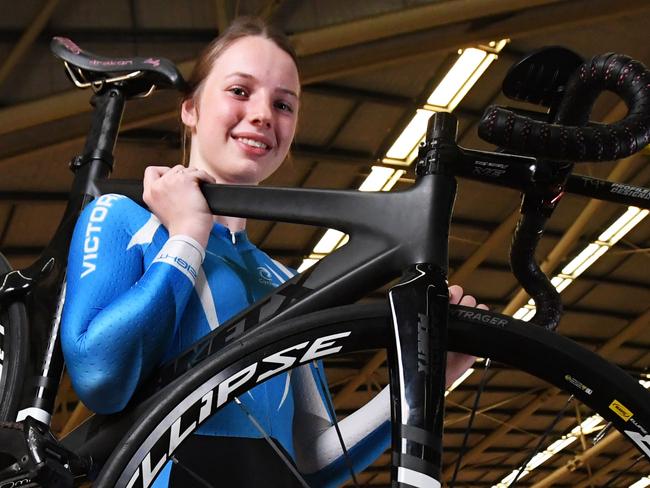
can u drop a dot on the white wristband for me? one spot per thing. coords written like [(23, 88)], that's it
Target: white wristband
[(184, 253)]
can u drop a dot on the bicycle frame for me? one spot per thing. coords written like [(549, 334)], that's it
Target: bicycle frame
[(409, 238)]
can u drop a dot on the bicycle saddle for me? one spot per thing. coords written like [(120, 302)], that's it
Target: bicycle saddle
[(137, 74)]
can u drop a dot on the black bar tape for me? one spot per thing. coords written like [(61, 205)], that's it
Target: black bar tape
[(568, 138), (416, 434)]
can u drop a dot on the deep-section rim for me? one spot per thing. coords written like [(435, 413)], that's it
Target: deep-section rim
[(574, 369)]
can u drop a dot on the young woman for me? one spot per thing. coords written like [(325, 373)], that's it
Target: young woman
[(145, 284)]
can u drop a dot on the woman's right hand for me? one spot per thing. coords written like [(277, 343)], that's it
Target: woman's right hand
[(173, 195)]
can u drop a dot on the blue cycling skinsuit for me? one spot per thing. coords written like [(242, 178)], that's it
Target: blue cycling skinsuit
[(136, 297)]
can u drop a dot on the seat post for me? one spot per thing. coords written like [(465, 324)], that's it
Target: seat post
[(97, 157)]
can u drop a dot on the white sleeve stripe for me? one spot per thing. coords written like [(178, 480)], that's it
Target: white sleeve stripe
[(183, 255), (284, 269), (281, 279), (145, 234)]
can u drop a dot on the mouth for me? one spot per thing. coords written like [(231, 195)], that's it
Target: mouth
[(253, 143)]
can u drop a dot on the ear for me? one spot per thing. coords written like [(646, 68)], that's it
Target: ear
[(189, 114)]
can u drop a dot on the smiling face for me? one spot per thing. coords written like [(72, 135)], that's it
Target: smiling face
[(243, 117)]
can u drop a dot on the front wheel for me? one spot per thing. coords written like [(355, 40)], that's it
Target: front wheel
[(185, 404)]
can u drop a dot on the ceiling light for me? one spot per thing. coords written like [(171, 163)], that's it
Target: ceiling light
[(457, 77), (307, 263), (623, 225), (583, 256), (588, 426), (410, 136), (471, 81), (381, 178), (642, 483), (467, 69), (328, 242)]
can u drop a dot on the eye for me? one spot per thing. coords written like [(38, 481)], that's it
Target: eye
[(238, 91), (285, 107)]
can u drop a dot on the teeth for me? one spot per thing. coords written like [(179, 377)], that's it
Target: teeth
[(251, 142)]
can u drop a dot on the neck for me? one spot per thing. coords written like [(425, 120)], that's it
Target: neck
[(234, 224)]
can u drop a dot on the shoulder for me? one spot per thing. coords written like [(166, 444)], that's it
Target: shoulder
[(115, 210)]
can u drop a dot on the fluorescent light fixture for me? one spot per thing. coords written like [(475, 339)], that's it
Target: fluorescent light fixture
[(588, 426), (590, 260), (328, 242), (410, 136), (529, 315), (457, 77), (381, 178), (633, 221), (393, 180), (589, 255), (520, 314), (467, 69), (462, 378), (583, 256), (613, 233), (307, 263), (487, 61), (642, 483)]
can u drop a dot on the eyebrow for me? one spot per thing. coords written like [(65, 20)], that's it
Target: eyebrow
[(239, 74)]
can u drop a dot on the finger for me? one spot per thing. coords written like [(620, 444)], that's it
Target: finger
[(483, 306), (203, 176), (179, 169), (455, 294), (468, 301), (152, 173)]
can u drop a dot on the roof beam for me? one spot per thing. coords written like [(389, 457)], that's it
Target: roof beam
[(605, 350), (28, 37), (417, 44), (578, 460), (549, 15), (620, 462), (403, 22), (224, 14)]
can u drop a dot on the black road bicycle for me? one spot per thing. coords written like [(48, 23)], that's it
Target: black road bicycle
[(312, 316)]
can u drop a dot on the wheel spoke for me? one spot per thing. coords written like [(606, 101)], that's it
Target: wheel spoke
[(463, 446), (332, 412), (272, 443)]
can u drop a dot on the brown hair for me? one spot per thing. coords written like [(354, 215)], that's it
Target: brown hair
[(239, 28)]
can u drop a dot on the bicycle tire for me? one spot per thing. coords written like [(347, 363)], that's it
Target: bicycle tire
[(14, 350), (545, 355)]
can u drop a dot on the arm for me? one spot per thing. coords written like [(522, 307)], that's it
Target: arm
[(119, 318)]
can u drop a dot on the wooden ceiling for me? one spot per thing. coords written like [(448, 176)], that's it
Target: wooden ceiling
[(366, 66)]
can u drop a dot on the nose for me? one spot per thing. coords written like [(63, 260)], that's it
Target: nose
[(261, 114)]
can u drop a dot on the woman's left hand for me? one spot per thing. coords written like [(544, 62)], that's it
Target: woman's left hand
[(458, 363)]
